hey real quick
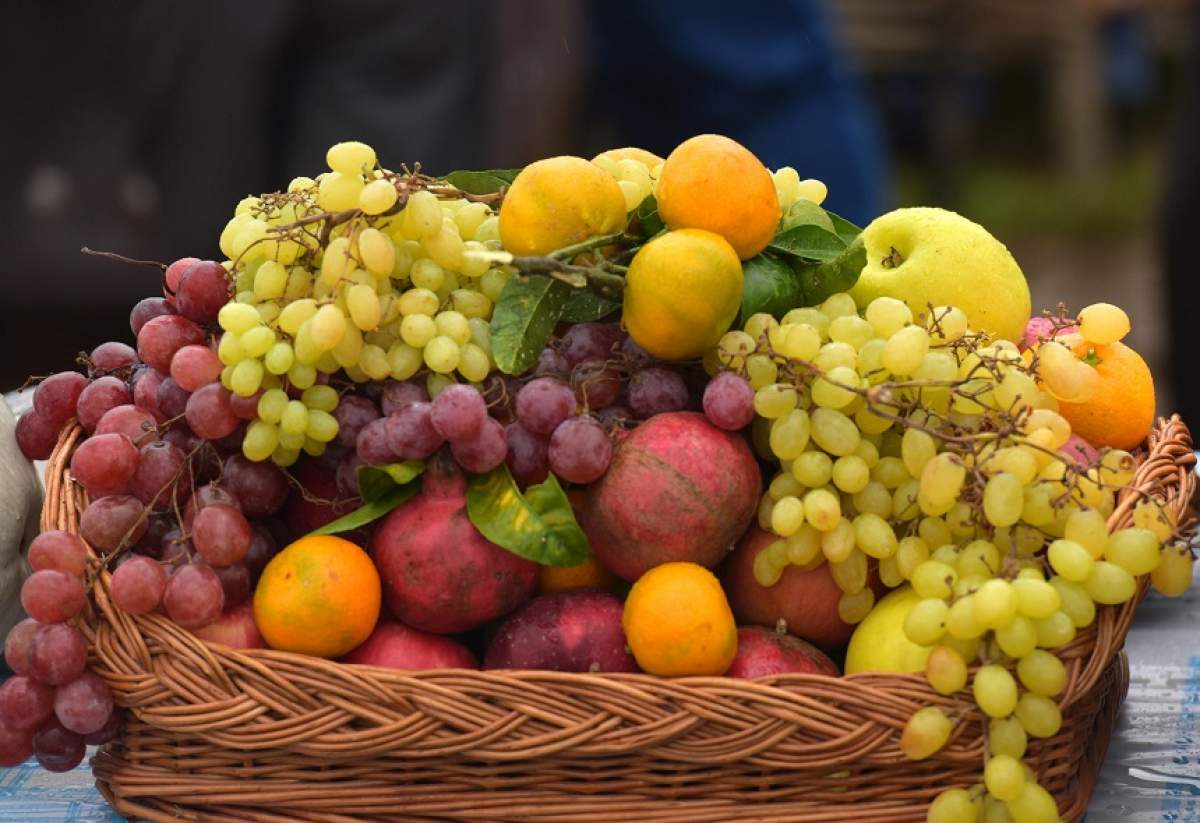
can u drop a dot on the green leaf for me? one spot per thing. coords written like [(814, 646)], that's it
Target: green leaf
[(647, 215), (820, 280), (585, 306), (372, 511), (482, 182), (843, 227), (376, 481), (539, 525), (808, 242), (523, 319), (769, 285), (807, 213)]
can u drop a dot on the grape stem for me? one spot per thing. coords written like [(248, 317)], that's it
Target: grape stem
[(605, 277), (122, 258)]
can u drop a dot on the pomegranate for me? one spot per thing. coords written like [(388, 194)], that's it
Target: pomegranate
[(439, 573), (678, 488)]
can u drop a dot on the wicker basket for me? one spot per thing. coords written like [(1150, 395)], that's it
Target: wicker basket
[(216, 734)]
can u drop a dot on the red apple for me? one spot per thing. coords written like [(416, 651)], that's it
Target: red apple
[(234, 628), (762, 652), (805, 600), (397, 646)]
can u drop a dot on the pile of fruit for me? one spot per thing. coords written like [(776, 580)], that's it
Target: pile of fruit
[(627, 414)]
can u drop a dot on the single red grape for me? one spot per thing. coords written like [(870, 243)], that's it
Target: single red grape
[(543, 403), (83, 705), (99, 396), (146, 310), (36, 435), (56, 396), (58, 654), (204, 288), (112, 355), (164, 335), (580, 450), (18, 645), (56, 549), (528, 458), (51, 596), (25, 703), (57, 748), (194, 597), (221, 534), (138, 585), (194, 366), (105, 464), (137, 424), (172, 276), (209, 414), (16, 746)]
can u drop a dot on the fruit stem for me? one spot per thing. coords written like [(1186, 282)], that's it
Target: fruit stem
[(122, 258), (893, 259)]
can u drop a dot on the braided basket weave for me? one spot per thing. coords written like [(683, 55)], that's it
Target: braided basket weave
[(216, 734)]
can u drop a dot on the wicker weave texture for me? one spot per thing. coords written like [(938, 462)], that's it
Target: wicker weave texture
[(218, 734)]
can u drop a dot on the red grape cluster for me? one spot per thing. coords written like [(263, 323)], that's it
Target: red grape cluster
[(556, 418), (53, 707)]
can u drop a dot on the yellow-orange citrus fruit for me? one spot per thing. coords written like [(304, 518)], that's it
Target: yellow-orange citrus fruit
[(1120, 413), (649, 158), (714, 183), (558, 202), (319, 596), (678, 622), (682, 291), (587, 575)]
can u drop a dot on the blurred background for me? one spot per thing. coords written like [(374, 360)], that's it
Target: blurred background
[(1069, 128)]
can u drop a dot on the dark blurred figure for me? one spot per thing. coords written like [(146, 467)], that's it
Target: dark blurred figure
[(1181, 210), (136, 126), (770, 74)]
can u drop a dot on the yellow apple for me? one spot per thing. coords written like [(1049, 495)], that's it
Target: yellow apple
[(928, 256)]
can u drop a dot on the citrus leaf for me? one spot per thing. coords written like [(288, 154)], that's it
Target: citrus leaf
[(376, 481), (820, 280), (842, 227), (482, 182), (371, 511), (647, 215), (769, 285), (523, 319), (808, 242), (538, 525), (585, 306)]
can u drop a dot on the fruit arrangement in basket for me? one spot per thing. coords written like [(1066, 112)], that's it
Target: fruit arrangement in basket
[(619, 415)]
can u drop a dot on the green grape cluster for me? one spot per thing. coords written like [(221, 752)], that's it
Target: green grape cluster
[(917, 447), (337, 274)]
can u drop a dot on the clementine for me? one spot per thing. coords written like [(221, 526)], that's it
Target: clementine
[(714, 183), (1119, 415), (558, 202), (319, 596), (678, 622)]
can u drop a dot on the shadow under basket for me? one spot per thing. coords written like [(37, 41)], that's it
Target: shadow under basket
[(217, 734)]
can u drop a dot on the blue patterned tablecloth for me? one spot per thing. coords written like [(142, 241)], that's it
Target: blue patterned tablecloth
[(30, 794)]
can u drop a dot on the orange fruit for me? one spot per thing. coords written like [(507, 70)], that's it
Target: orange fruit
[(714, 183), (682, 291), (678, 622), (319, 596), (587, 575), (558, 202), (1119, 415)]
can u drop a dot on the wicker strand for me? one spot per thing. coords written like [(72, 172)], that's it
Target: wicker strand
[(217, 734)]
